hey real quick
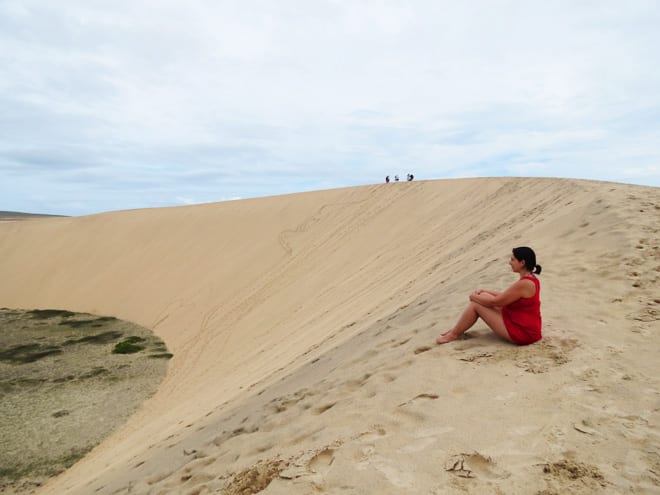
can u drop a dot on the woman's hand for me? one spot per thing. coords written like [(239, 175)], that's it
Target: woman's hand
[(474, 297), (476, 293), (483, 297)]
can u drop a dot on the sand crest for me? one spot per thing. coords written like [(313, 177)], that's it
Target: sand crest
[(302, 329)]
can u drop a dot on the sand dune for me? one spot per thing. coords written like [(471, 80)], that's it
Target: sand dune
[(302, 328)]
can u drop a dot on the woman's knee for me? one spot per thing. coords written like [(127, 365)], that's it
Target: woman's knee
[(474, 307), (478, 308)]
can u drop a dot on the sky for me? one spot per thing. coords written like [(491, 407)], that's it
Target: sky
[(139, 103)]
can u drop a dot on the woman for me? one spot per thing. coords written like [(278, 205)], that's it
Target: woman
[(515, 314)]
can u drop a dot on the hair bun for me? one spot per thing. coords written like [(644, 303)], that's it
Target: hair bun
[(537, 269)]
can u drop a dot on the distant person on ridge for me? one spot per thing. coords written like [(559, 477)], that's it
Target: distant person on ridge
[(387, 179), (396, 178), (410, 177), (515, 314)]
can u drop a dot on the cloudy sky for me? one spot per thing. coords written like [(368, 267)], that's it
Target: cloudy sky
[(140, 103)]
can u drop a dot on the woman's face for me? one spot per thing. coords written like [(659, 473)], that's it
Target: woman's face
[(516, 265)]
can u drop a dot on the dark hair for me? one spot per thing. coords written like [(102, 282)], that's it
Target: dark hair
[(527, 255)]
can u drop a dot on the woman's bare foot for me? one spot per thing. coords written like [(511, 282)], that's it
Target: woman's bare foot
[(446, 337)]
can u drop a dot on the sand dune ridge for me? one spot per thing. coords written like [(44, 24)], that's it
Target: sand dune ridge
[(302, 330)]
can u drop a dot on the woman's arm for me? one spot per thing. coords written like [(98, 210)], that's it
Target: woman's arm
[(522, 288), (491, 292)]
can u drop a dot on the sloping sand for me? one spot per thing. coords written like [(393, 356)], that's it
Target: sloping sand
[(303, 331)]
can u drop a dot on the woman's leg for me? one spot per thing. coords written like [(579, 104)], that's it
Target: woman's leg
[(491, 316)]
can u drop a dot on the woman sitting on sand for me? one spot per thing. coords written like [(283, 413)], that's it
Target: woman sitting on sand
[(515, 314)]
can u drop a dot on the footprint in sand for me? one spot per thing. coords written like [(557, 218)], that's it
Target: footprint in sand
[(586, 426), (418, 397), (477, 356), (475, 465), (367, 356), (425, 348), (227, 435), (647, 314), (357, 383), (281, 404), (322, 461), (393, 343), (376, 433), (324, 408)]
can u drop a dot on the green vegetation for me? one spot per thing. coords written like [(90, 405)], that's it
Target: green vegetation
[(49, 360), (162, 355), (99, 338), (129, 346), (43, 467), (44, 314), (95, 322), (96, 371), (27, 353)]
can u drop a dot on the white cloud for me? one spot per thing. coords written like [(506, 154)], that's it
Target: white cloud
[(186, 201), (146, 101)]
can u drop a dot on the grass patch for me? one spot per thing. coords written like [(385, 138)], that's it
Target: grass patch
[(44, 314), (63, 379), (27, 353), (96, 322), (14, 384), (101, 338), (129, 346), (44, 467), (162, 355), (39, 397), (96, 371)]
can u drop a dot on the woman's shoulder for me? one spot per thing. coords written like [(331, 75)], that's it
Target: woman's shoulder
[(527, 286)]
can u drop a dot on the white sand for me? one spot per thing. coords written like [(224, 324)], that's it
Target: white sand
[(302, 328)]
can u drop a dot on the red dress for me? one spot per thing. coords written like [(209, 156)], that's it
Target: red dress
[(522, 318)]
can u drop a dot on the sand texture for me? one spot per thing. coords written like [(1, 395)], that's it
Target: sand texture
[(303, 331)]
